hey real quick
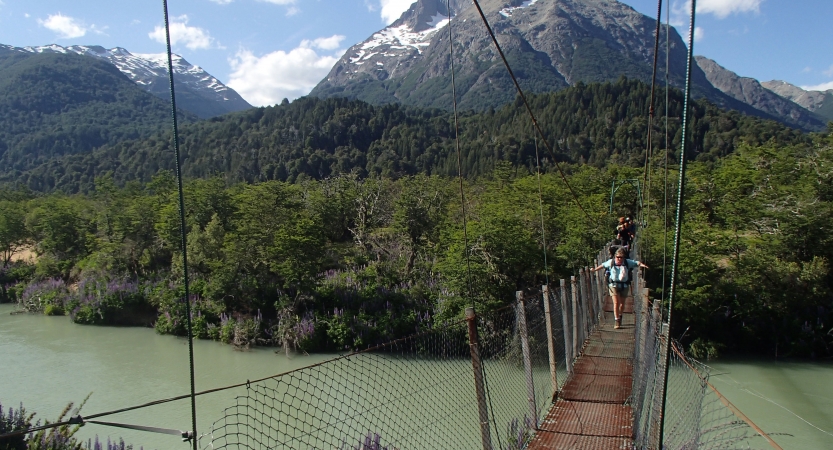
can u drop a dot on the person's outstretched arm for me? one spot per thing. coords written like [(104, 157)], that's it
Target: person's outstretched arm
[(638, 263), (600, 266)]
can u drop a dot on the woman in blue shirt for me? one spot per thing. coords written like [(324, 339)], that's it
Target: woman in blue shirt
[(619, 268)]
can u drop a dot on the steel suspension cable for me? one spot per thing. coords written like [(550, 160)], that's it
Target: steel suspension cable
[(667, 147), (459, 157), (528, 108), (182, 229), (463, 203), (649, 151), (541, 210), (679, 218), (184, 242)]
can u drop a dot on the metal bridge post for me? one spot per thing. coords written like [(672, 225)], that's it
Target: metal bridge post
[(477, 367), (602, 288), (574, 290), (591, 295), (643, 326), (530, 386), (585, 300), (565, 319), (658, 402), (582, 305), (550, 339)]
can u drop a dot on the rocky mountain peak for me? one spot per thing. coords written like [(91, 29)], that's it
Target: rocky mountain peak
[(425, 15), (550, 44), (750, 91), (820, 102)]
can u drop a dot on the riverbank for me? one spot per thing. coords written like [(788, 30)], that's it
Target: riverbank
[(790, 400)]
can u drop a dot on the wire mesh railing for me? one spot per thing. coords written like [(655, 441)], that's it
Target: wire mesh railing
[(697, 416), (421, 391), (484, 382)]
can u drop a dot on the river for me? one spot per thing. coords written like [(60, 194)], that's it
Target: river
[(48, 362), (791, 400)]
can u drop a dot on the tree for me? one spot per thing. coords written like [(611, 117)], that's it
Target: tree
[(418, 213), (62, 233), (13, 233)]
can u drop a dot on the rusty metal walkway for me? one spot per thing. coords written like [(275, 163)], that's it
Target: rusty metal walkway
[(592, 411)]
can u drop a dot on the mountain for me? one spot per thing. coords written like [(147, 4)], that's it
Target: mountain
[(751, 92), (819, 102), (55, 104), (550, 44), (196, 90)]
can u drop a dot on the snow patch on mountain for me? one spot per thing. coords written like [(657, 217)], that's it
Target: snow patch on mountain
[(507, 12), (144, 69), (399, 38)]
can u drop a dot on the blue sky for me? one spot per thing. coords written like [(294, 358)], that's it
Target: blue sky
[(271, 49)]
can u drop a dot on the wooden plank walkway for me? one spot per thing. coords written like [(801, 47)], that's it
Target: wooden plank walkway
[(591, 410)]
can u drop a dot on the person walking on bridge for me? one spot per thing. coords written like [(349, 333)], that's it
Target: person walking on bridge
[(619, 269)]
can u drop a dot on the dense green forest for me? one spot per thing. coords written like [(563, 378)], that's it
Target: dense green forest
[(757, 243), (334, 224), (350, 261), (61, 104), (592, 124)]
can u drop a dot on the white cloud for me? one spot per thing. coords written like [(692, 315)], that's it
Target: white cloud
[(193, 38), (681, 11), (698, 34), (807, 69), (819, 87), (829, 71), (392, 9), (268, 79), (66, 27), (222, 2), (327, 43), (291, 9), (724, 8)]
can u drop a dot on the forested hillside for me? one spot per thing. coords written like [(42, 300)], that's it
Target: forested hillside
[(56, 104), (333, 224), (596, 124), (756, 252), (347, 261)]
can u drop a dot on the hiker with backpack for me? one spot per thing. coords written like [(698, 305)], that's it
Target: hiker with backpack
[(619, 280), (624, 232)]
